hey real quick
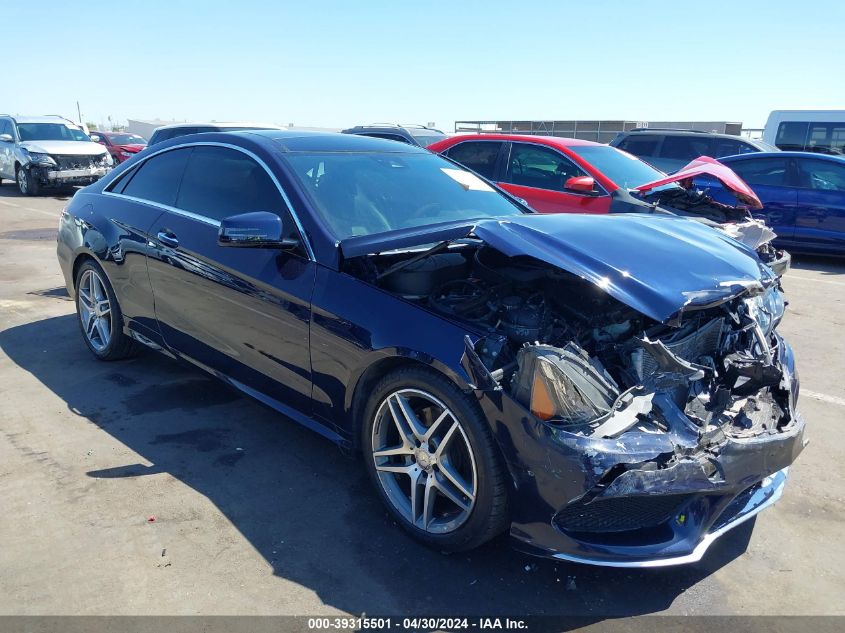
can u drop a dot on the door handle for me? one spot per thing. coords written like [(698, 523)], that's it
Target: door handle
[(168, 239)]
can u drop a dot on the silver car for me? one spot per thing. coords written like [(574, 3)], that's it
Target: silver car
[(49, 151)]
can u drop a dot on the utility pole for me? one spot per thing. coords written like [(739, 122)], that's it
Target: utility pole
[(79, 113)]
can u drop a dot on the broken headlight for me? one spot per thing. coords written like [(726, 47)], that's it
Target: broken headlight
[(767, 309), (38, 158), (105, 160), (563, 384)]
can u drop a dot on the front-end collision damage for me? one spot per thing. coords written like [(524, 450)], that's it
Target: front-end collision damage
[(64, 170), (657, 439), (641, 411)]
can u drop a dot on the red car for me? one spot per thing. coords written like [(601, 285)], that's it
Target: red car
[(566, 175), (121, 145)]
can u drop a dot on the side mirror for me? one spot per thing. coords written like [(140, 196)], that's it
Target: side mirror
[(580, 184), (6, 138), (259, 229)]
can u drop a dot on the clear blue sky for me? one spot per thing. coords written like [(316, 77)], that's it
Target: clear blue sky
[(333, 64)]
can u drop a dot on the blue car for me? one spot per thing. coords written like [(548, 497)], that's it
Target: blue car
[(803, 196), (608, 389)]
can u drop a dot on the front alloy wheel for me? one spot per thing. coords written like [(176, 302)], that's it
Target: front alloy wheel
[(27, 184), (430, 453), (424, 461)]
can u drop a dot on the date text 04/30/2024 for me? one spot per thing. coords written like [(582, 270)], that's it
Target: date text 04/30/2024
[(441, 623)]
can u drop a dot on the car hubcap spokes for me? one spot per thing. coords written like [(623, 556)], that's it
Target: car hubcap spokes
[(424, 461), (22, 181), (94, 310)]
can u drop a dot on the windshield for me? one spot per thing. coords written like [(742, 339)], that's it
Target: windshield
[(366, 193), (50, 132), (127, 139), (625, 170), (427, 137)]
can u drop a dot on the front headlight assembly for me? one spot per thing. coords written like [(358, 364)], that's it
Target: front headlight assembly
[(38, 158), (767, 309)]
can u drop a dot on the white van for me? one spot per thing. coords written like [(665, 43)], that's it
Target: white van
[(821, 131)]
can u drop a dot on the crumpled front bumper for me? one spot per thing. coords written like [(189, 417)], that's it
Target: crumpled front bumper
[(621, 503), (61, 177), (781, 264)]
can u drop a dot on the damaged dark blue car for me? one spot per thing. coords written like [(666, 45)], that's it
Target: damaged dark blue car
[(609, 389)]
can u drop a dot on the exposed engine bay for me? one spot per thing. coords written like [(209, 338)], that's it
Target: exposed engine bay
[(583, 361)]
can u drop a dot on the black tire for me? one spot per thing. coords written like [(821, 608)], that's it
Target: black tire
[(27, 185), (489, 515), (119, 345)]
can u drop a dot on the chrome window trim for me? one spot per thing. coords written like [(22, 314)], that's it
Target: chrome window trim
[(202, 218), (165, 207)]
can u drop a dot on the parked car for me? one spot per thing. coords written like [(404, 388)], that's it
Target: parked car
[(820, 131), (38, 152), (577, 379), (564, 175), (121, 145), (418, 135), (669, 150), (802, 195), (167, 132)]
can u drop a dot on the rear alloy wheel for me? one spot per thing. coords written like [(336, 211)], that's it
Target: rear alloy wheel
[(432, 457), (100, 318)]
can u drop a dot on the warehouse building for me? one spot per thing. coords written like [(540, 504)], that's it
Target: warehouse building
[(599, 131)]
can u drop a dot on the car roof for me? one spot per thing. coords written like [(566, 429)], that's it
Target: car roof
[(554, 141), (218, 124), (831, 157), (302, 141), (47, 118), (283, 140), (405, 127), (669, 131)]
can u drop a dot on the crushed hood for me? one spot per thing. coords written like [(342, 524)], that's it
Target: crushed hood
[(659, 265), (706, 166), (66, 148)]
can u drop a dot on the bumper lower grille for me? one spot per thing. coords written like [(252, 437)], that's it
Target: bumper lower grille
[(75, 162), (619, 514)]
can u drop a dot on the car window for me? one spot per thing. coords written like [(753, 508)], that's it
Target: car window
[(640, 145), (5, 127), (362, 193), (762, 171), (127, 139), (427, 137), (540, 167), (157, 179), (624, 169), (50, 132), (479, 156), (821, 174), (220, 182), (685, 147), (791, 136), (389, 137), (826, 138), (731, 147), (180, 131)]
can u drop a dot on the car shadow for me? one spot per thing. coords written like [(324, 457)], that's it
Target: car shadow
[(310, 512), (819, 263)]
